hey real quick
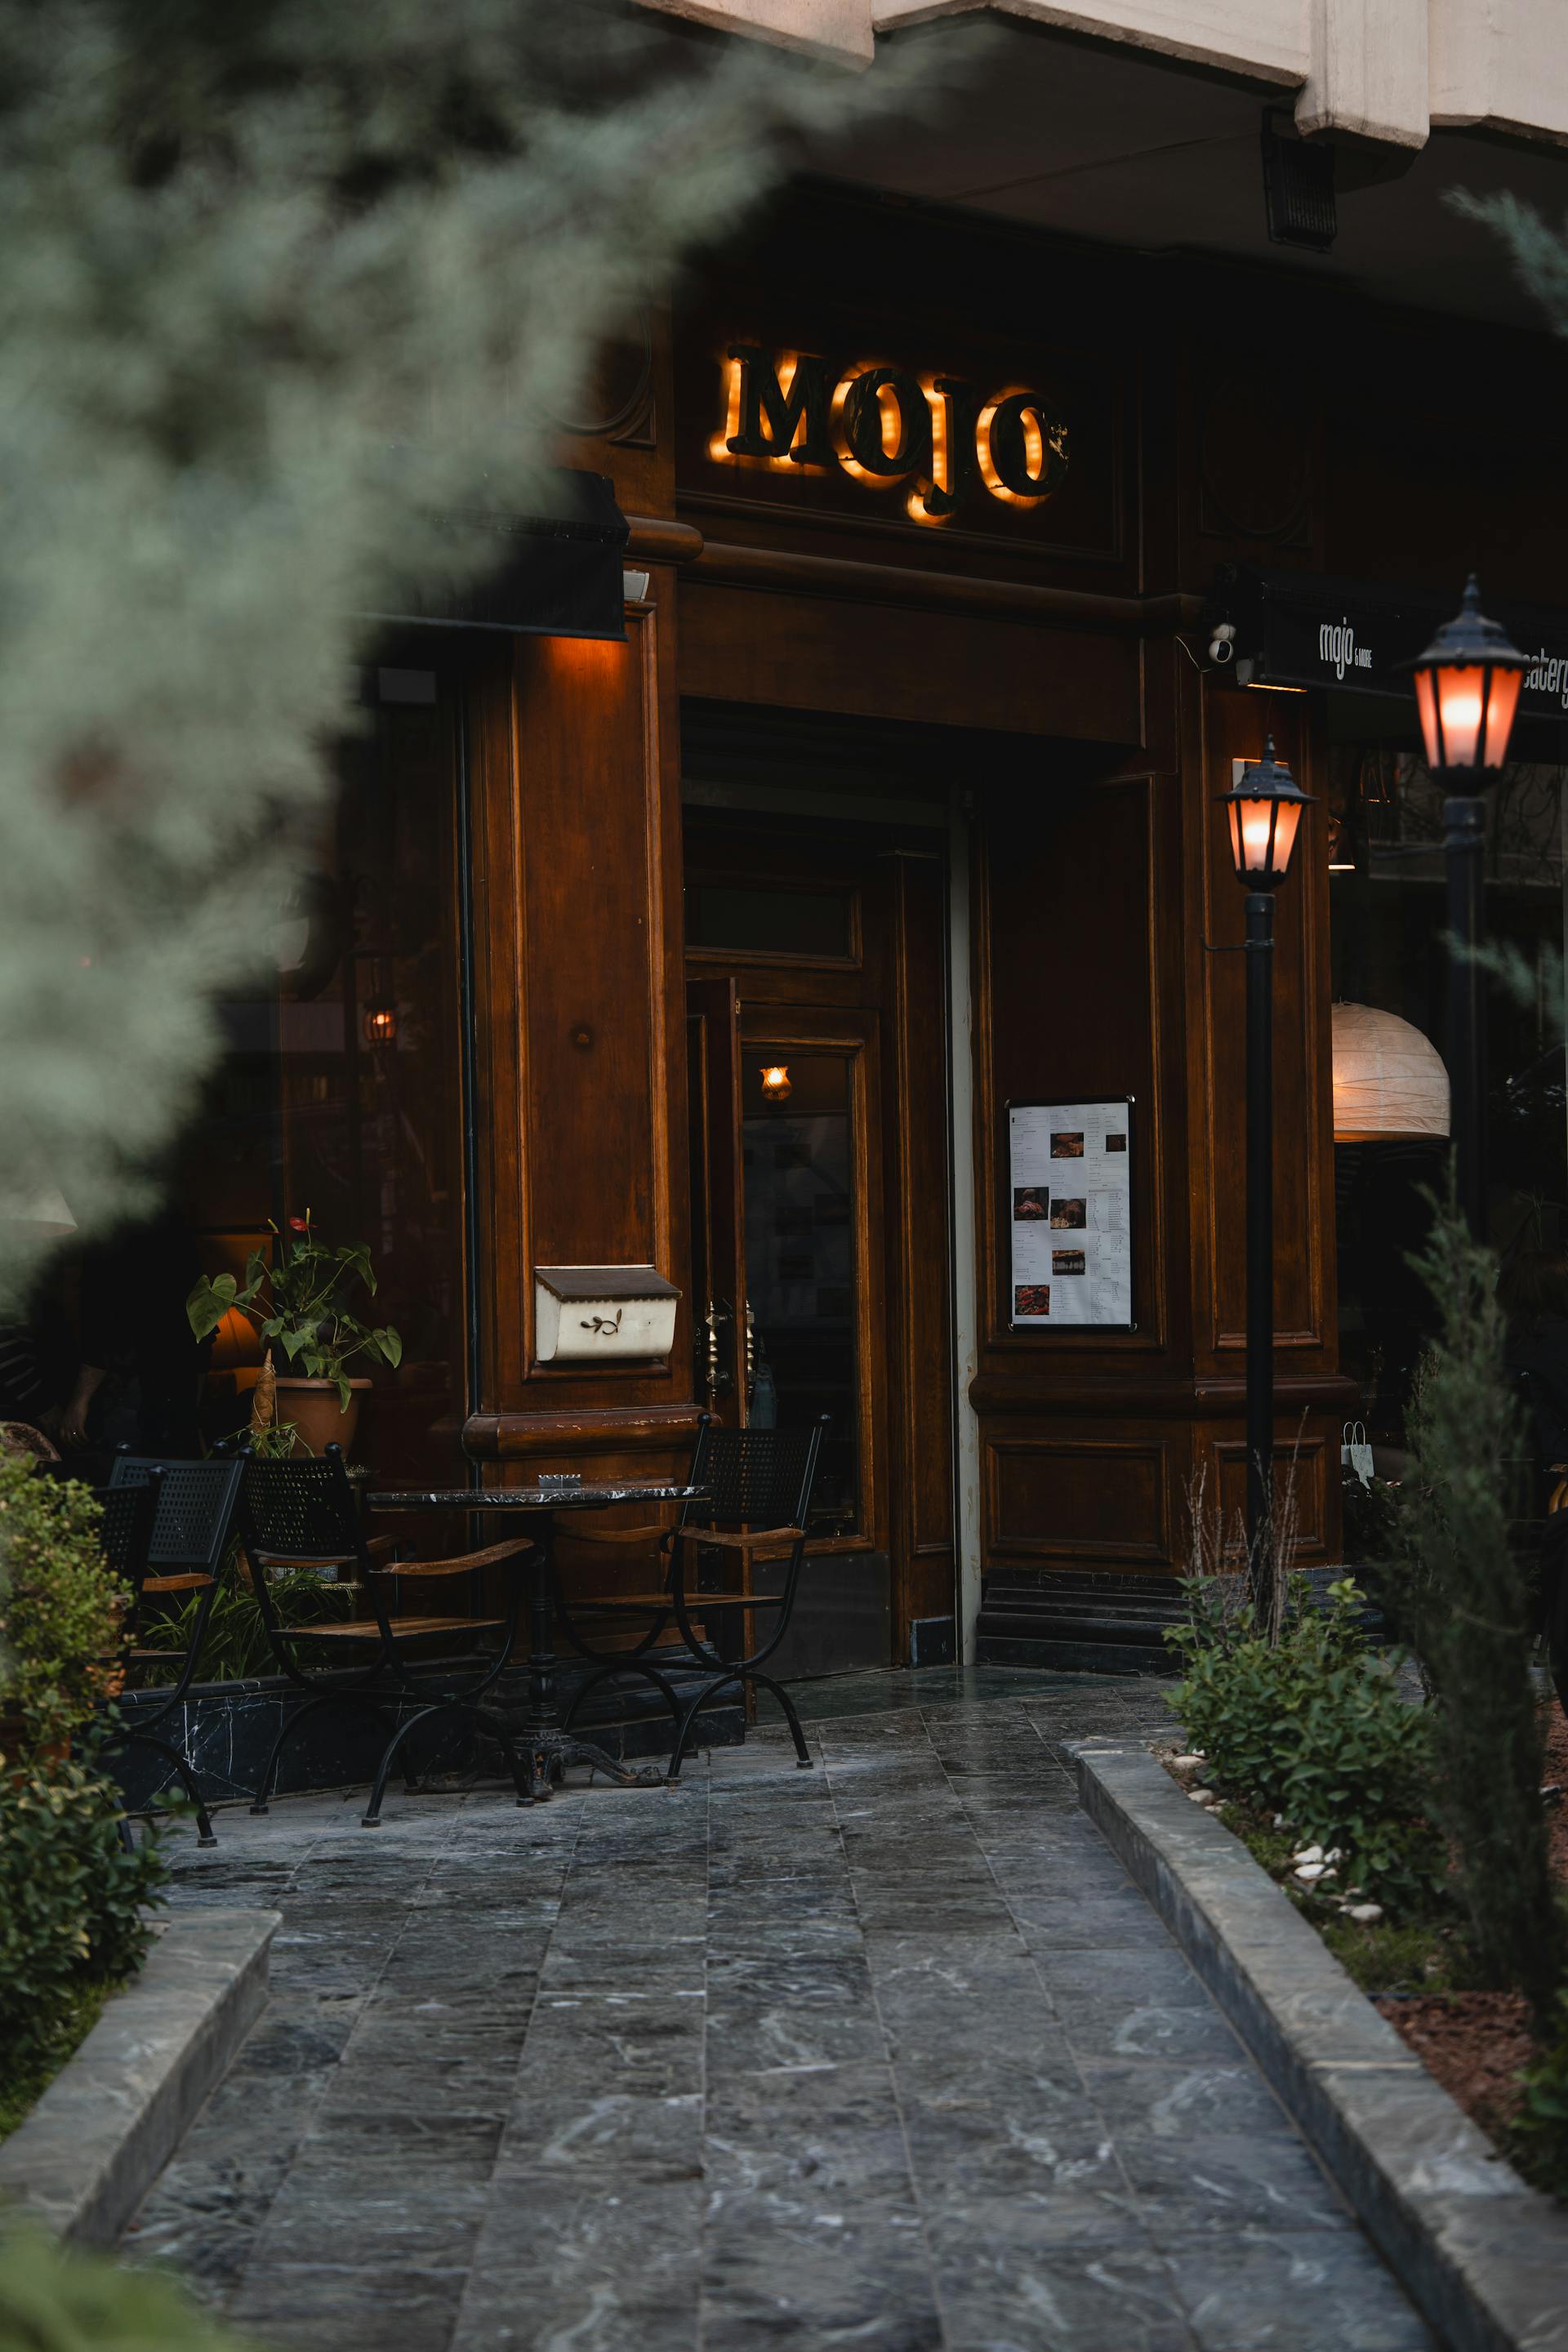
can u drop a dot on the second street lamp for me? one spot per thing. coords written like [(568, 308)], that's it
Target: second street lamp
[(1264, 806), (1466, 691)]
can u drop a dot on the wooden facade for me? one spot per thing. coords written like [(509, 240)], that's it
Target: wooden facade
[(1042, 668)]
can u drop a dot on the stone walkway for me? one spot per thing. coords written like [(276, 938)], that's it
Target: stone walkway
[(889, 2054)]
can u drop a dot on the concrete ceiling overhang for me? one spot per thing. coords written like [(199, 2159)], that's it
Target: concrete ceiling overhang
[(1097, 140)]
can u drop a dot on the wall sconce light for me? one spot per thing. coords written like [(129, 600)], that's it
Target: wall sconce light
[(775, 1082), (380, 1022), (1341, 859)]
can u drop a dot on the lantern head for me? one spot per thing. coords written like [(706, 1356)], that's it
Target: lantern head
[(1264, 806), (775, 1082), (1467, 690)]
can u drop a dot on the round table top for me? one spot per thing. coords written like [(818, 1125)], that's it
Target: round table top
[(530, 1499)]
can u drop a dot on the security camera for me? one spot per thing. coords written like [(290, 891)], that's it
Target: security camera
[(1222, 645)]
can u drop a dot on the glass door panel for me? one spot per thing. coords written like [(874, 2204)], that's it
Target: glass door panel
[(802, 1222)]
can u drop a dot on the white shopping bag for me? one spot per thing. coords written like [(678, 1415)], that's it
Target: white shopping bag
[(1355, 1454)]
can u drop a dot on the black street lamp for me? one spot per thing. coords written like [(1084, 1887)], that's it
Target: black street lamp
[(1264, 806), (1466, 691)]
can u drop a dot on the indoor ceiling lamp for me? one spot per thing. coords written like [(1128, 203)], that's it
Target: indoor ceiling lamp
[(1390, 1084), (775, 1081)]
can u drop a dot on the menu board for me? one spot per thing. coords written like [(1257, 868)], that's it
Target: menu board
[(1070, 1203)]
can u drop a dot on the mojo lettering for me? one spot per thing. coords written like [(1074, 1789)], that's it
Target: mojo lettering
[(1336, 644), (877, 424)]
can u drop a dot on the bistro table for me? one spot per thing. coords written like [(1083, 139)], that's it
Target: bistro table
[(538, 1727)]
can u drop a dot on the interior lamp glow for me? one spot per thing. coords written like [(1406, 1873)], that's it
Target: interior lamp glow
[(775, 1082), (1467, 690), (1264, 806)]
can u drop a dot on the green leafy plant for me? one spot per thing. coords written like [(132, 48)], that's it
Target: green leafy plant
[(59, 1607), (236, 1645), (1540, 2129), (73, 1904), (297, 1296), (55, 2301), (1466, 1599), (1312, 1726)]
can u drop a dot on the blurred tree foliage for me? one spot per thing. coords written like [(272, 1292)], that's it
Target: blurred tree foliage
[(287, 287)]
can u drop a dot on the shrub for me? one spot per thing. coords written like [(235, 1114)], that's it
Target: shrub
[(73, 1901), (1540, 2129), (51, 2301), (1312, 1726), (237, 1643), (1468, 1601), (59, 1607)]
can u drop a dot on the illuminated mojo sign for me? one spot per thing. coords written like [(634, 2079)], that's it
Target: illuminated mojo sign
[(955, 445)]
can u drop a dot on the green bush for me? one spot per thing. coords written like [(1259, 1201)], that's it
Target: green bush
[(1540, 2130), (73, 1901), (236, 1644), (1312, 1726), (59, 1607), (51, 2301)]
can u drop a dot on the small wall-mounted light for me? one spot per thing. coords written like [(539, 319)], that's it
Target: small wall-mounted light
[(380, 1022), (1340, 860), (775, 1082)]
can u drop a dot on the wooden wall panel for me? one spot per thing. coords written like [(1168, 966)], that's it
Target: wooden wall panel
[(579, 981), (745, 645), (1085, 1499)]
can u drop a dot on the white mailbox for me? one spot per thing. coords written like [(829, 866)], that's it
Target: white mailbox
[(586, 1314)]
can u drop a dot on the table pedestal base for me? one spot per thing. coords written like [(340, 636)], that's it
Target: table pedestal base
[(546, 1754)]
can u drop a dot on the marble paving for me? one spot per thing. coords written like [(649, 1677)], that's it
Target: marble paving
[(888, 2054)]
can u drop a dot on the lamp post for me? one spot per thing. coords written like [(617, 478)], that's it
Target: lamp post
[(1466, 691), (1264, 806)]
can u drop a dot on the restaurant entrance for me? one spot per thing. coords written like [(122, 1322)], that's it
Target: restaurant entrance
[(794, 970)]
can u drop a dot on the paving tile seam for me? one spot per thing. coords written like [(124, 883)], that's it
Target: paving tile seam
[(1111, 2137), (927, 2248), (415, 1915)]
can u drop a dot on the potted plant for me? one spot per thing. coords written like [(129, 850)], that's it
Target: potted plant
[(297, 1298)]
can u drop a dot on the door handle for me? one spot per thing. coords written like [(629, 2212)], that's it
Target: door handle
[(719, 1379)]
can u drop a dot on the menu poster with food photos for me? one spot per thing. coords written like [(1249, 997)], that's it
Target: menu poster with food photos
[(1070, 1203)]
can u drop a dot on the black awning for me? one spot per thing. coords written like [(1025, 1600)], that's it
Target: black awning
[(1303, 628), (556, 573)]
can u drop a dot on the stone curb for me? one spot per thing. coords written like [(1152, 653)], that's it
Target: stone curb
[(108, 2123), (1483, 2256)]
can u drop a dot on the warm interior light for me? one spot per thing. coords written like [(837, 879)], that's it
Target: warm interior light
[(775, 1081), (381, 1024)]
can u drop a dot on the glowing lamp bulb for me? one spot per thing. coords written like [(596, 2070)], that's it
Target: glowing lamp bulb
[(775, 1081), (381, 1024)]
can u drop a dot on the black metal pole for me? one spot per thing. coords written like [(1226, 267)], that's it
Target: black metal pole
[(1464, 838), (1259, 1221)]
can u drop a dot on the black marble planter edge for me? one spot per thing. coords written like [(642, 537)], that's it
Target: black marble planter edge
[(83, 2160), (1483, 2255)]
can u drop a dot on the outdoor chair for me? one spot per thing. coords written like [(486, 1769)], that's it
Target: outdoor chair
[(303, 1513), (758, 1484), (166, 1530)]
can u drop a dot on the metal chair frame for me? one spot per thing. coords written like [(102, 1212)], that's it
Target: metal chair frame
[(166, 1528), (304, 1513), (751, 1475)]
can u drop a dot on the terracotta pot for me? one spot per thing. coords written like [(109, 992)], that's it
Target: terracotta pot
[(318, 1420)]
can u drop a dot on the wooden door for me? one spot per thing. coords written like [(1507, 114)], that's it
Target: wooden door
[(817, 950), (717, 1215)]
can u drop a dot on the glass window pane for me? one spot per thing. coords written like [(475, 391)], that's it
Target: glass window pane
[(768, 922), (801, 1272), (340, 1094)]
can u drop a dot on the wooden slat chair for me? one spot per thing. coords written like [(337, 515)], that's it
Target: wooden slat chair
[(167, 1527), (303, 1513), (758, 1484)]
